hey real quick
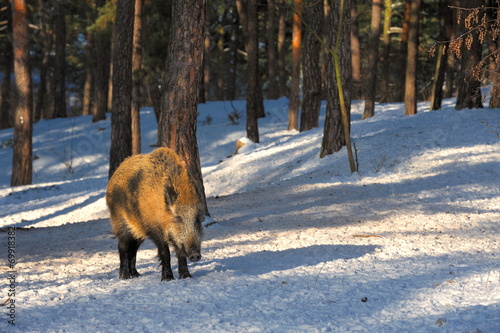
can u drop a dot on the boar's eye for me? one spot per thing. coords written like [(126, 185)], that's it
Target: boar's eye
[(178, 219)]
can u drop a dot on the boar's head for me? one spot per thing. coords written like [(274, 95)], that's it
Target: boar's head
[(185, 232)]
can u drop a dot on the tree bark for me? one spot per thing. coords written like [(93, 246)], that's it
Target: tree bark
[(6, 91), (121, 119), (137, 78), (233, 58), (451, 29), (404, 50), (60, 60), (177, 128), (469, 92), (412, 59), (255, 104), (385, 91), (282, 73), (102, 51), (333, 134), (221, 64), (356, 54), (311, 65), (90, 65), (438, 80), (293, 109), (373, 45), (441, 58), (22, 157), (206, 64), (271, 50)]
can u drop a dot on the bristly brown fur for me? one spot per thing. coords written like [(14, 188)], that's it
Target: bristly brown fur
[(152, 196)]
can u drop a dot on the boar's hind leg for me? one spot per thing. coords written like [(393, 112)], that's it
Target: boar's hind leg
[(164, 256), (183, 267), (127, 247)]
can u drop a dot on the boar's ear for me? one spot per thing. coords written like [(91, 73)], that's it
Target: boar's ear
[(170, 195)]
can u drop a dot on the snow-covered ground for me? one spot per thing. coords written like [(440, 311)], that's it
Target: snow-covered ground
[(408, 244)]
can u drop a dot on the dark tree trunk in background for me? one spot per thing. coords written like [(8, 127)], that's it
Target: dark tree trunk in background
[(90, 65), (177, 128), (255, 104), (387, 95), (233, 57), (293, 109), (282, 49), (206, 65), (412, 59), (356, 54), (311, 67), (272, 64), (373, 45), (22, 156), (8, 60), (451, 30), (102, 52), (441, 58), (60, 60), (137, 78), (121, 119), (333, 134), (404, 51), (469, 92)]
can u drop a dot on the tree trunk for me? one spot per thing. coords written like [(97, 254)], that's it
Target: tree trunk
[(90, 65), (451, 29), (385, 91), (177, 128), (6, 91), (60, 60), (121, 119), (404, 50), (438, 80), (233, 58), (43, 107), (333, 134), (206, 64), (22, 156), (255, 106), (311, 65), (271, 50), (469, 92), (356, 54), (282, 74), (371, 77), (221, 63), (102, 51), (293, 109), (137, 78), (441, 58), (412, 60)]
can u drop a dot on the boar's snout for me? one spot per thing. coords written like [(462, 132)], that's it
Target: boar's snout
[(194, 257)]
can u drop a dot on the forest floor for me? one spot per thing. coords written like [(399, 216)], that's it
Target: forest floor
[(409, 243)]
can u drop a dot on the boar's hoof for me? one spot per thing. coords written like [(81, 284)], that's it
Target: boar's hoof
[(128, 275), (185, 275), (194, 257), (167, 277)]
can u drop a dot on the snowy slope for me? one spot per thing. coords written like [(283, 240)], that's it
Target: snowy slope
[(410, 243)]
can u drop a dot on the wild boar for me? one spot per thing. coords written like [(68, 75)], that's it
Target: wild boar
[(152, 196)]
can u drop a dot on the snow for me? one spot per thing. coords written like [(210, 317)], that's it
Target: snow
[(410, 243)]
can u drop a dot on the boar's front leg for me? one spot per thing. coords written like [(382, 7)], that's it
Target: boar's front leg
[(164, 256), (183, 268)]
